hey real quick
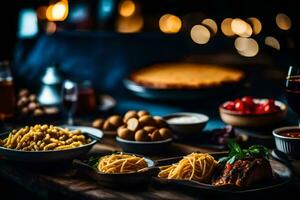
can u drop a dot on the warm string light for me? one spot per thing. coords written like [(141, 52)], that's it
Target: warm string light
[(127, 8), (200, 34), (241, 28), (58, 11), (255, 24), (247, 47), (283, 21), (211, 24), (170, 24), (272, 42), (226, 27)]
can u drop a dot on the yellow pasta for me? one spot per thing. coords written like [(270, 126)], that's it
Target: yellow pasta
[(43, 138), (121, 163), (195, 166)]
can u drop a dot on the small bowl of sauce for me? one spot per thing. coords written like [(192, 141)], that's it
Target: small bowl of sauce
[(287, 140), (186, 124)]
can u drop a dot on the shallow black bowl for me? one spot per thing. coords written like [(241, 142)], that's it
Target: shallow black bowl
[(47, 156), (119, 180)]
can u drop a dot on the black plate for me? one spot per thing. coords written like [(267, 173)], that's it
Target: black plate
[(282, 176), (118, 180), (180, 94), (46, 156)]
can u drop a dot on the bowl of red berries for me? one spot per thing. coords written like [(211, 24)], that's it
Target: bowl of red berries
[(252, 112)]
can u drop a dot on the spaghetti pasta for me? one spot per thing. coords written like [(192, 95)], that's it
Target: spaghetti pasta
[(195, 166), (121, 163)]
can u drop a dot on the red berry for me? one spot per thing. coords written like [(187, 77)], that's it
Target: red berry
[(229, 105), (248, 101), (239, 105)]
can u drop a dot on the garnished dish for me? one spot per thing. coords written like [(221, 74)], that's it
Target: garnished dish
[(118, 169), (44, 138), (185, 76), (241, 170), (195, 166), (252, 112), (121, 163), (244, 167)]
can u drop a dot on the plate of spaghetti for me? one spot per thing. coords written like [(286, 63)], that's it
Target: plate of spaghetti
[(239, 171), (118, 169)]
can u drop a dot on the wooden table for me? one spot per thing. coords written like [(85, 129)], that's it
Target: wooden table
[(62, 181)]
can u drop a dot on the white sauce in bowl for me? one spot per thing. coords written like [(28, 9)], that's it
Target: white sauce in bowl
[(185, 120)]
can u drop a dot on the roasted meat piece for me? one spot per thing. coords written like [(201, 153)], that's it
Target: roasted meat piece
[(244, 172)]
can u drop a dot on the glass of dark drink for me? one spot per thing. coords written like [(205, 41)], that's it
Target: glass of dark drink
[(7, 93), (69, 99), (293, 89)]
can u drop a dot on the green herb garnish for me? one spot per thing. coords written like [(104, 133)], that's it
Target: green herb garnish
[(237, 153), (93, 162)]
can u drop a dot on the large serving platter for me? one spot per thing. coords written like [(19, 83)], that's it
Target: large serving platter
[(51, 155), (180, 94), (282, 175)]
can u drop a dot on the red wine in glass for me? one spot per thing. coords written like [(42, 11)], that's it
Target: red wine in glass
[(293, 89)]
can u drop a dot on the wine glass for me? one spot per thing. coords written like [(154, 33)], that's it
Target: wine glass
[(293, 89), (69, 99)]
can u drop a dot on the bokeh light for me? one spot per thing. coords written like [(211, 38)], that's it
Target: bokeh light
[(226, 27), (51, 28), (130, 24), (211, 24), (272, 42), (41, 12), (169, 23), (241, 28), (200, 34), (247, 47), (283, 21), (255, 24), (58, 12), (127, 8)]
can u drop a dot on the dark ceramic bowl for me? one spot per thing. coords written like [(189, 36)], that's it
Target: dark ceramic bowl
[(47, 156), (287, 145), (151, 147), (119, 180)]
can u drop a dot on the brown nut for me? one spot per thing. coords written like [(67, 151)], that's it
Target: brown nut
[(147, 120), (23, 93), (165, 133), (150, 129), (133, 124), (160, 122), (130, 114), (25, 111), (141, 135), (126, 134), (32, 106), (155, 136), (107, 126), (142, 113), (38, 112), (32, 97), (98, 123), (116, 120)]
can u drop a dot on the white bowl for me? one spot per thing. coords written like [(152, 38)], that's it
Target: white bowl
[(187, 129)]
